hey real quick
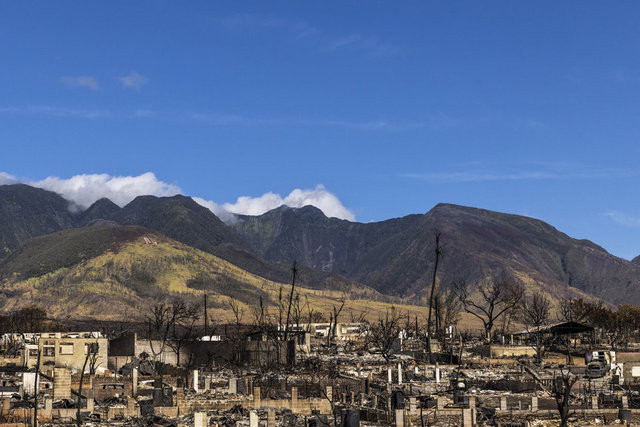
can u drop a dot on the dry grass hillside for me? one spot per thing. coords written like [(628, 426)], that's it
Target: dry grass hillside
[(116, 273)]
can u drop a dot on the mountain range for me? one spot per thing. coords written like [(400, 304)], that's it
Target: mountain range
[(114, 272), (397, 256), (393, 258)]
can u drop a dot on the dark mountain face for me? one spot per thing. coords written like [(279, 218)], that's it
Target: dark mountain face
[(397, 256), (101, 210), (308, 236), (180, 218), (27, 212)]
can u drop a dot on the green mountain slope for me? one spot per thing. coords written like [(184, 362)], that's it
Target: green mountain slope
[(44, 254), (395, 257), (180, 218), (114, 272), (28, 212)]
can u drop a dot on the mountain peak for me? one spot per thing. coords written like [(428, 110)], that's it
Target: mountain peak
[(103, 204), (309, 210), (101, 210)]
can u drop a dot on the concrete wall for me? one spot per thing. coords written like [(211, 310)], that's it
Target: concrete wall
[(124, 345), (295, 405), (61, 383), (104, 388), (511, 351), (123, 349), (168, 356), (255, 353), (69, 353), (627, 356)]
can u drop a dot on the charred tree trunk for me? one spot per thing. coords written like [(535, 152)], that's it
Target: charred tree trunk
[(438, 252)]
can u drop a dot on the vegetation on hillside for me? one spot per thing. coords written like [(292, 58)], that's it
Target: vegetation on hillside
[(125, 272)]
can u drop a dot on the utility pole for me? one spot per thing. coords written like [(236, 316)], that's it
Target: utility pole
[(205, 314), (438, 252), (91, 349), (294, 271), (35, 392)]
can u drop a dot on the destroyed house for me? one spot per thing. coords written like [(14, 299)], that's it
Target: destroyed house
[(557, 329), (257, 349), (343, 331), (71, 350), (61, 349)]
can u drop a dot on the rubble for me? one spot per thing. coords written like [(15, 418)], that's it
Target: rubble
[(316, 385)]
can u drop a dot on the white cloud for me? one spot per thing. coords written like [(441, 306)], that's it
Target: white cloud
[(47, 110), (218, 210), (623, 218), (311, 35), (319, 197), (84, 190), (134, 80), (6, 179), (246, 205), (366, 43), (521, 175), (436, 121), (81, 81)]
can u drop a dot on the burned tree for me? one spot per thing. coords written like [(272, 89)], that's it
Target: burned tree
[(384, 332), (493, 297), (92, 351), (438, 254), (184, 330), (446, 307), (313, 316), (236, 338), (333, 321), (294, 272), (238, 313), (29, 319), (260, 316), (298, 309), (94, 356), (561, 391), (160, 321), (630, 321), (534, 313), (573, 310)]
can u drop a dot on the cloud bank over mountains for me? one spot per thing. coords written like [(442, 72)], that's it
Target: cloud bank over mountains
[(319, 197), (83, 190)]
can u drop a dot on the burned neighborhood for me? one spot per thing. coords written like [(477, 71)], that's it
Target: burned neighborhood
[(176, 368), (319, 213)]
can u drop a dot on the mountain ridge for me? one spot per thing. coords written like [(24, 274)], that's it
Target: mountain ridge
[(178, 217), (397, 254), (113, 271), (394, 257)]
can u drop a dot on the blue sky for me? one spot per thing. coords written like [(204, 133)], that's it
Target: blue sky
[(523, 107)]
